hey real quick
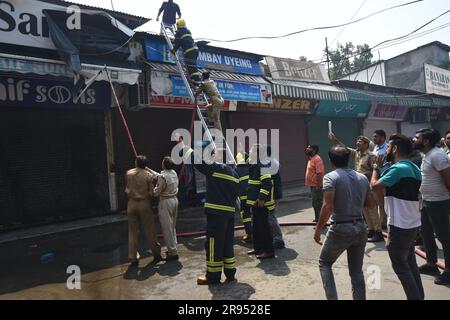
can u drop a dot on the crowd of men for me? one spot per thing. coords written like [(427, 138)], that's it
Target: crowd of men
[(400, 185)]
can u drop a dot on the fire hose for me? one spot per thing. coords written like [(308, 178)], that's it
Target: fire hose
[(195, 234)]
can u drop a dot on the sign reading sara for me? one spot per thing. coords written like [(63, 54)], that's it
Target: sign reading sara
[(437, 80), (23, 22)]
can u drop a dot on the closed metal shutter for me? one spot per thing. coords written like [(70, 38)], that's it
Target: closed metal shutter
[(52, 166), (390, 127), (151, 130), (292, 138)]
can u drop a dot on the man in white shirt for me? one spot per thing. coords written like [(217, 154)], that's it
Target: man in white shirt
[(435, 190), (379, 139)]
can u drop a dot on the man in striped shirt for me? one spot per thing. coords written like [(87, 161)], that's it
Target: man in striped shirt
[(402, 183)]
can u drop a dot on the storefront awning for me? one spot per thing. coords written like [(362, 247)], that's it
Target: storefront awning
[(166, 81), (216, 75), (385, 98), (441, 102), (306, 90), (32, 65)]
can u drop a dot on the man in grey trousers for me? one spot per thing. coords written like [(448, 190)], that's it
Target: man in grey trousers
[(346, 192)]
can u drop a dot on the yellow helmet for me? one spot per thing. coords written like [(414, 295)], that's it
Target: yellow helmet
[(181, 23)]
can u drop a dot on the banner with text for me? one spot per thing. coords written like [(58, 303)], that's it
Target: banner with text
[(158, 51), (20, 92)]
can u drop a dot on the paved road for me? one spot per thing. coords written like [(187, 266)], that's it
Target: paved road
[(293, 275)]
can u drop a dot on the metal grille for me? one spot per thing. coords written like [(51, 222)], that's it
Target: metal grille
[(52, 166)]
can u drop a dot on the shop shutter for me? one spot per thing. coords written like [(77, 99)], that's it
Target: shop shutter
[(52, 166), (151, 129), (292, 139), (370, 126)]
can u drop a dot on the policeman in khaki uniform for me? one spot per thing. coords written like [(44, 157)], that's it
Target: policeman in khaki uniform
[(139, 188), (167, 190), (222, 183), (216, 101)]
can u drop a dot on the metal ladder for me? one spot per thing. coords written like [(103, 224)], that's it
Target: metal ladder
[(206, 125)]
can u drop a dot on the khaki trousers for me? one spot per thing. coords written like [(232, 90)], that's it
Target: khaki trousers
[(140, 214), (167, 212), (379, 198), (372, 218), (214, 108)]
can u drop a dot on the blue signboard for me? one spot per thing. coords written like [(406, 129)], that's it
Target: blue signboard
[(233, 91), (22, 92), (349, 109), (158, 51)]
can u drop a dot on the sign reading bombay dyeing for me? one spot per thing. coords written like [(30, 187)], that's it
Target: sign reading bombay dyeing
[(289, 69)]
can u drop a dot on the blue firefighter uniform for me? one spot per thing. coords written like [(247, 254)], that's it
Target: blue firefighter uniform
[(184, 40), (246, 216), (260, 186), (222, 185)]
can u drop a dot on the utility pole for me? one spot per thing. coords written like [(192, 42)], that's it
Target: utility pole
[(328, 57)]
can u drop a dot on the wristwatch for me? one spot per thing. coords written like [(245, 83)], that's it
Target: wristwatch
[(376, 167)]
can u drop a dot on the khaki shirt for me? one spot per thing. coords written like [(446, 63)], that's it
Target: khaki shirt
[(167, 186), (209, 88), (363, 162), (139, 184)]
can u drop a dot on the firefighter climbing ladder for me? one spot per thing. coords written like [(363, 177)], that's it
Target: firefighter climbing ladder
[(191, 94)]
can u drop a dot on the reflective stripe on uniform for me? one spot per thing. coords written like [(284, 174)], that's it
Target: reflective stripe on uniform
[(220, 207), (264, 192), (247, 220), (254, 182), (214, 264), (186, 35), (210, 269), (211, 250), (244, 178), (243, 198), (271, 208), (265, 176), (225, 176), (188, 154), (191, 49), (251, 202), (230, 263)]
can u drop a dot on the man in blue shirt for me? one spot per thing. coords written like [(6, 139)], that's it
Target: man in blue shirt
[(171, 9), (402, 183)]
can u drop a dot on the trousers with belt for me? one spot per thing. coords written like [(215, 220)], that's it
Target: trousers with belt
[(167, 212), (140, 214), (219, 245)]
